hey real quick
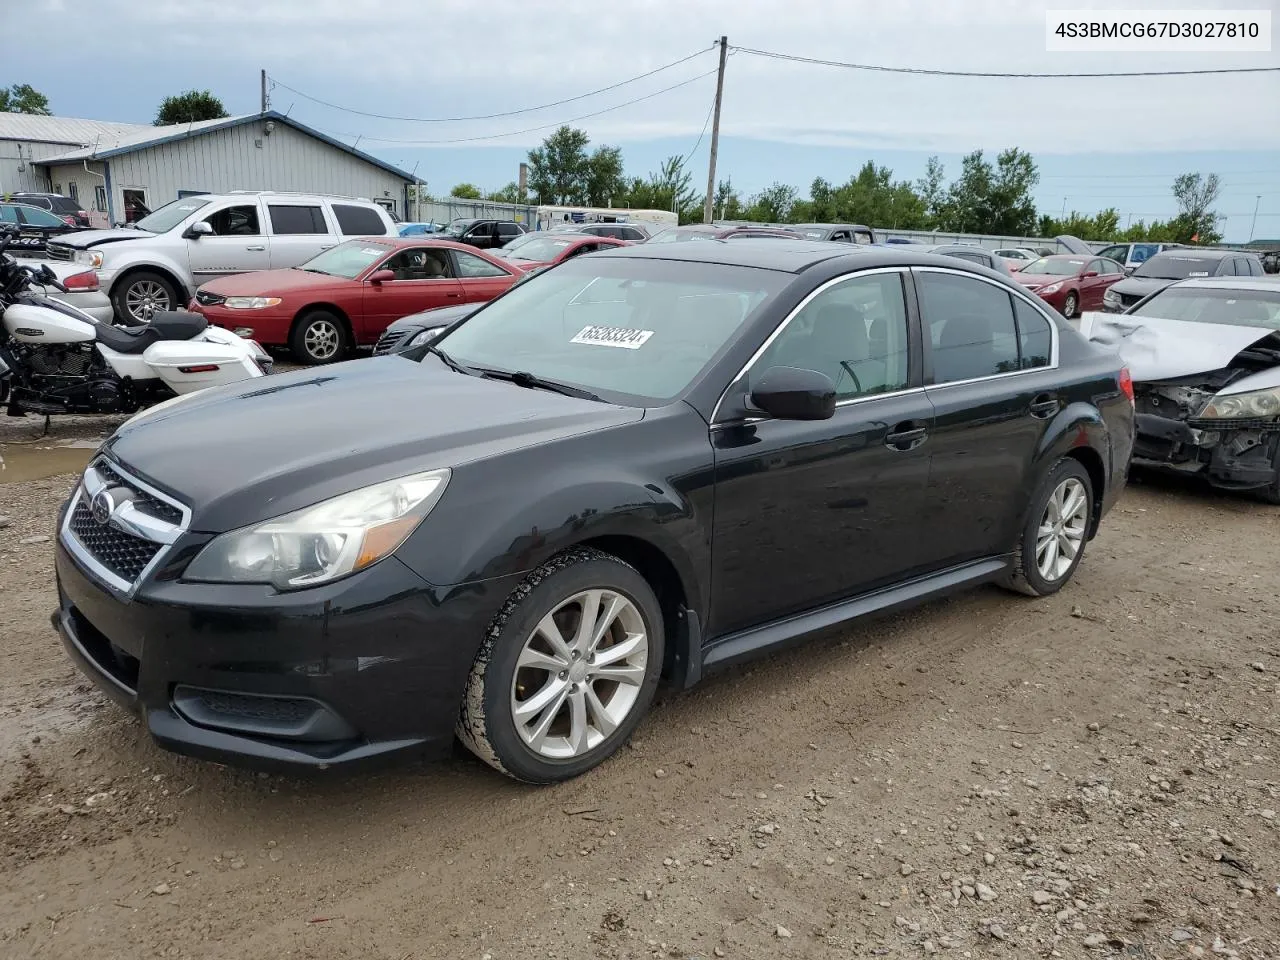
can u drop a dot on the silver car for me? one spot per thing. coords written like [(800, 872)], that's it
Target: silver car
[(156, 263)]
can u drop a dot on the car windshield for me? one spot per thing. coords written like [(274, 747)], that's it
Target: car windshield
[(542, 248), (348, 259), (170, 215), (1170, 266), (515, 243), (1054, 268), (459, 227), (674, 234), (1240, 308), (635, 331)]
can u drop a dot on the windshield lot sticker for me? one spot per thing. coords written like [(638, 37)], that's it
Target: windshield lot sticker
[(624, 337)]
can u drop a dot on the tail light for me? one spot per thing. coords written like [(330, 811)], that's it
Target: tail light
[(200, 368), (85, 281), (1126, 383), (71, 221)]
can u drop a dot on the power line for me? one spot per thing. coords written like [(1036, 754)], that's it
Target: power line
[(1008, 76), (489, 116), (706, 123), (546, 126)]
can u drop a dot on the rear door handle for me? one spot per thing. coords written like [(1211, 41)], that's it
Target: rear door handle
[(906, 436), (257, 247), (1044, 406)]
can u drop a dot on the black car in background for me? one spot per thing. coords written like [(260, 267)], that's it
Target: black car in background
[(57, 204), (485, 234), (419, 328), (1180, 263), (651, 462), (29, 228)]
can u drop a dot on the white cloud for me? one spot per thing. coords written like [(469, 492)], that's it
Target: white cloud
[(451, 57)]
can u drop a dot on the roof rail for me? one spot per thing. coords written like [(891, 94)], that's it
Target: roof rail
[(296, 193)]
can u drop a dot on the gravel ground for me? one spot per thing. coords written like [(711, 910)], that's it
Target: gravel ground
[(1089, 775)]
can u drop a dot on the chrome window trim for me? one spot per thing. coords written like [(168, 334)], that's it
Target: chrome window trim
[(795, 311), (135, 523), (1039, 307)]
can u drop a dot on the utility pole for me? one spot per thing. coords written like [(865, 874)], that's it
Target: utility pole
[(263, 80), (1064, 208), (709, 201), (1253, 226)]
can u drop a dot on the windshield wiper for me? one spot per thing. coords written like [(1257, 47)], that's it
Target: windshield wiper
[(522, 378), (453, 364)]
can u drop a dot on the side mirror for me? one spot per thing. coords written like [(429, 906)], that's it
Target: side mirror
[(379, 277), (199, 229), (1088, 274), (1128, 271), (793, 393)]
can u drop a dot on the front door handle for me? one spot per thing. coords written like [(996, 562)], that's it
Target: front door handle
[(1044, 406), (327, 246), (257, 247), (453, 296), (906, 435)]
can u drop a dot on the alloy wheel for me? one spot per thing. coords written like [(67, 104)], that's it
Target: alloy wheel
[(1062, 528), (579, 674), (146, 298), (1069, 307), (322, 340)]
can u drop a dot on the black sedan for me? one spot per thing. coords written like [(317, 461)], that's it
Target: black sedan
[(419, 328), (644, 464), (29, 228)]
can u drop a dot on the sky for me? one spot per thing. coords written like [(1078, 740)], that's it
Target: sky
[(1098, 142)]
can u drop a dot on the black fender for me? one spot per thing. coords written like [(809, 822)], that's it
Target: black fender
[(1076, 428)]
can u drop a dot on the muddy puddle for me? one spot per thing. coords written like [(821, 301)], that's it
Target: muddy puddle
[(23, 461)]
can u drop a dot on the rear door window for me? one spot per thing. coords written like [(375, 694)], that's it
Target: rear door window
[(970, 325), (287, 219), (356, 221), (1035, 338)]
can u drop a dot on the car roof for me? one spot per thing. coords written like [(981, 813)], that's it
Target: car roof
[(1198, 254), (1269, 284), (827, 226), (27, 206), (417, 240), (786, 255), (959, 248)]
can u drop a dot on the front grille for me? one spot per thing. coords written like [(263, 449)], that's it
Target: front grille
[(246, 707), (206, 299), (1129, 299), (388, 341), (59, 251), (122, 553), (141, 499)]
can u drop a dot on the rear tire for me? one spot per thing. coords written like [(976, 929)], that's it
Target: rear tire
[(542, 703), (141, 295), (1052, 541), (319, 337)]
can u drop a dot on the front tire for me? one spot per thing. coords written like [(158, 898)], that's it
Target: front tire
[(1052, 541), (567, 669), (319, 337), (140, 296), (1070, 305)]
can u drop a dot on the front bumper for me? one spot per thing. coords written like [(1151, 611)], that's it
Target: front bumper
[(268, 327), (346, 674), (1229, 456)]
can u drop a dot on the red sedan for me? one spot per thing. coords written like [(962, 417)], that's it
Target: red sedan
[(348, 295), (538, 251), (1070, 283)]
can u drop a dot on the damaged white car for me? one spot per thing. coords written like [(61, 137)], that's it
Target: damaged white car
[(1205, 360)]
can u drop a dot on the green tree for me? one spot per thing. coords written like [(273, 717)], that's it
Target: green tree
[(931, 191), (669, 188), (605, 185), (1103, 225), (872, 197), (467, 191), (558, 169), (726, 204), (773, 204), (987, 199), (189, 107), (509, 194), (23, 98), (1196, 196)]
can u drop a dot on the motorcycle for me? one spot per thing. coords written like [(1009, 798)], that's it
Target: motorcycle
[(55, 359)]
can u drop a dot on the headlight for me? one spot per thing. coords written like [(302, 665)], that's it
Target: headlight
[(1111, 297), (90, 258), (250, 303), (322, 542), (1051, 288), (425, 336), (1257, 405)]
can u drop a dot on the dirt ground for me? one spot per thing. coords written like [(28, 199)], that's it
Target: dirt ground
[(1094, 774)]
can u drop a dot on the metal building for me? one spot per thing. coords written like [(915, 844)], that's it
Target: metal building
[(123, 170)]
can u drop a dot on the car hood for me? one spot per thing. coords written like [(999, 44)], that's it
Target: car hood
[(261, 448), (1140, 286), (1038, 279), (1154, 348), (439, 317), (274, 282), (84, 239)]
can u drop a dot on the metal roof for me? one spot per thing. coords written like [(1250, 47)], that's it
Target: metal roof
[(142, 138), (68, 130)]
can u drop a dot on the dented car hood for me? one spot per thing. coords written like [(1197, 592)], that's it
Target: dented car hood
[(1157, 349)]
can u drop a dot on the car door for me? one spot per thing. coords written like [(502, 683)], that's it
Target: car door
[(1092, 288), (299, 231), (1118, 252), (507, 231), (481, 235), (424, 279), (991, 374), (1109, 272), (810, 512), (481, 279), (237, 245)]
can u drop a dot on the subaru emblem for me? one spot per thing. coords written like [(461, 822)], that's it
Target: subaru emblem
[(102, 506)]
